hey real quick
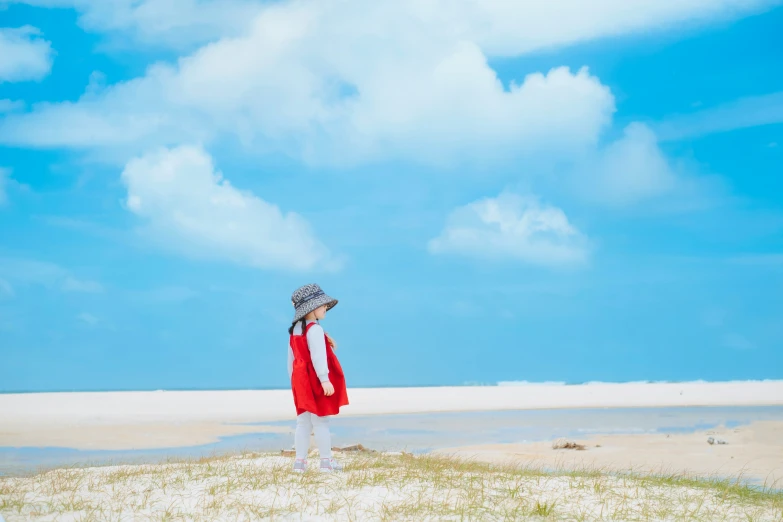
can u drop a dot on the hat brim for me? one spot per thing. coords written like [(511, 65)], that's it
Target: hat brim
[(316, 303)]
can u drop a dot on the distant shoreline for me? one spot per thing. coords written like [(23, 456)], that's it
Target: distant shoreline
[(403, 387), (114, 420)]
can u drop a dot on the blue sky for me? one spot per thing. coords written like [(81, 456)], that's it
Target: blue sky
[(494, 192)]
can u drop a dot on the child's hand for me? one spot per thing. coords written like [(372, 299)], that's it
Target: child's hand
[(328, 388), (331, 341)]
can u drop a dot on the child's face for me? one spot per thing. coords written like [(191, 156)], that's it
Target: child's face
[(320, 312)]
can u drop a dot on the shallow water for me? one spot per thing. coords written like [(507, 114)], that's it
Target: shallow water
[(420, 433)]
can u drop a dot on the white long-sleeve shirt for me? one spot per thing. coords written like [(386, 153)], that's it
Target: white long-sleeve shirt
[(316, 343)]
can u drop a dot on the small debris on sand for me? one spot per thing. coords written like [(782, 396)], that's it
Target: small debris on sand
[(355, 447), (567, 444), (712, 440)]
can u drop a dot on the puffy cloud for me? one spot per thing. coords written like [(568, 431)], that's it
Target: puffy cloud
[(306, 78), (628, 170), (24, 55), (448, 110), (512, 227), (7, 105), (189, 207), (633, 171)]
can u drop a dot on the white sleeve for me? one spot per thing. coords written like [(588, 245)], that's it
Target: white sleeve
[(316, 343), (290, 361)]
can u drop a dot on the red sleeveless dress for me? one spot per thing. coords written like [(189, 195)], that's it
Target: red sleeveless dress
[(308, 393)]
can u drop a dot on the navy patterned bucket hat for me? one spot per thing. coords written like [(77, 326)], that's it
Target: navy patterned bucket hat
[(309, 297)]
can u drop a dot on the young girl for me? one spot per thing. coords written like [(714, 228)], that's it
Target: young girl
[(317, 379)]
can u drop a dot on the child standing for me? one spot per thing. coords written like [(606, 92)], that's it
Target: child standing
[(317, 379)]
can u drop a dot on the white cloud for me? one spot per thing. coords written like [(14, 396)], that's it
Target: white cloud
[(502, 27), (6, 290), (71, 284), (88, 318), (774, 259), (628, 170), (24, 55), (189, 207), (29, 271), (738, 342), (7, 105), (512, 227), (7, 184), (634, 171), (174, 23), (4, 176), (308, 79), (450, 112), (166, 294), (740, 114), (511, 28)]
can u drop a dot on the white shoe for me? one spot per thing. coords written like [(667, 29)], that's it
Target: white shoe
[(330, 465), (300, 465)]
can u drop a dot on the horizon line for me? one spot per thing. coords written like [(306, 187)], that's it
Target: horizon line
[(469, 384)]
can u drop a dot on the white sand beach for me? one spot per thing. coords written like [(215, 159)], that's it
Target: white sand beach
[(479, 482), (133, 420), (753, 452)]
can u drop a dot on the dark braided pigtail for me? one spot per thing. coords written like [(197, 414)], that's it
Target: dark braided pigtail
[(293, 325)]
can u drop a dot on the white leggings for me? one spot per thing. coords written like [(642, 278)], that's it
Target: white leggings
[(307, 423)]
